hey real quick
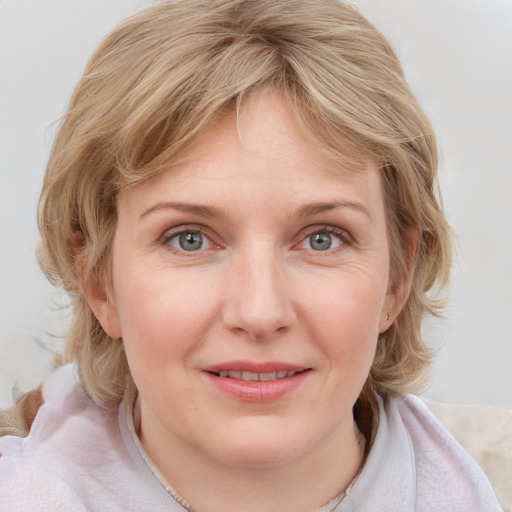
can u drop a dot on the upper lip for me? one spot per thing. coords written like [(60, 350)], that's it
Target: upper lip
[(254, 367)]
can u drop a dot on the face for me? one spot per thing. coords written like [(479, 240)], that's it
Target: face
[(249, 285)]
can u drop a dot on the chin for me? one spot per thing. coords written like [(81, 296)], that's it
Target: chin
[(260, 456), (260, 447)]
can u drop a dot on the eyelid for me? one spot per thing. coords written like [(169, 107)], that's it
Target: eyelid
[(342, 234), (171, 233)]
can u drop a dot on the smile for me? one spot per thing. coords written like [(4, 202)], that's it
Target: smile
[(253, 382), (253, 376)]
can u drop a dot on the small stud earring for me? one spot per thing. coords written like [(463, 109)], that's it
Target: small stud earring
[(388, 317)]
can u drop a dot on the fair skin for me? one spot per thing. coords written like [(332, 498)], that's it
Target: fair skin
[(253, 254)]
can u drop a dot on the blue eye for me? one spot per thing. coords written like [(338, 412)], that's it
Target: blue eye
[(189, 241), (323, 240)]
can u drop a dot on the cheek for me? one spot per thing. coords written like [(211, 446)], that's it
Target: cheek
[(343, 314), (351, 299), (163, 319)]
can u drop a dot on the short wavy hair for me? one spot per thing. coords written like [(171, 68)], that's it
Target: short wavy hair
[(164, 75)]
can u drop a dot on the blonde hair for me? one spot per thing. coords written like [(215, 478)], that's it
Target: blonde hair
[(165, 74)]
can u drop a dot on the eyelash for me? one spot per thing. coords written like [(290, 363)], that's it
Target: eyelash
[(304, 236), (168, 236), (341, 234)]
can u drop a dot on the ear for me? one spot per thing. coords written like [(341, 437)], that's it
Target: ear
[(102, 303), (398, 292)]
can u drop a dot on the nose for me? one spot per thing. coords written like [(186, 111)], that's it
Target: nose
[(259, 303)]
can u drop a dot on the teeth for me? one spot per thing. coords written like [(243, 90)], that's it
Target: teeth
[(252, 376)]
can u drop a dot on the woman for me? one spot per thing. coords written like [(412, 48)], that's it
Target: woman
[(241, 203)]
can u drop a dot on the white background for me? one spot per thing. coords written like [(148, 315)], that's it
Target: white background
[(458, 57)]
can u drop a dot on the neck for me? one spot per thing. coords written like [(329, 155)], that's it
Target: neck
[(305, 483)]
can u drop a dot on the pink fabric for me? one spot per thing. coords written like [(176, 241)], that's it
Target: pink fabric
[(80, 458), (75, 459)]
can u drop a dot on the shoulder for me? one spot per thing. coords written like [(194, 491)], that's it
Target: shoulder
[(66, 419), (414, 463), (69, 437), (486, 433), (446, 475), (77, 457)]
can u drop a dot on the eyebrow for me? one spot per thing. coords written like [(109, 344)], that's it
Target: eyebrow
[(201, 210), (307, 210), (312, 209)]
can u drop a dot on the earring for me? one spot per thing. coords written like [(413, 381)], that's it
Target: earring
[(388, 317)]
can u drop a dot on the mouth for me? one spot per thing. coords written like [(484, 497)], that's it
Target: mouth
[(255, 376), (250, 382)]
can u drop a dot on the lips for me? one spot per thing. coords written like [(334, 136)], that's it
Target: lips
[(251, 371), (256, 382), (252, 376)]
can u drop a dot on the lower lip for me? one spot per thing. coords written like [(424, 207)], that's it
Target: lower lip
[(257, 390)]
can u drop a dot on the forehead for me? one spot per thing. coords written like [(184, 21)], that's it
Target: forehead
[(266, 127), (260, 151)]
